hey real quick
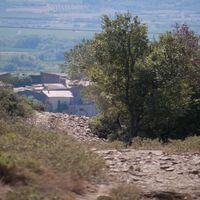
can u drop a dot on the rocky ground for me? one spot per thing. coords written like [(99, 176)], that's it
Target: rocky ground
[(71, 124), (160, 175), (156, 172)]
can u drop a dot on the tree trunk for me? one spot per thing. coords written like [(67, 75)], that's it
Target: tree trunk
[(133, 126)]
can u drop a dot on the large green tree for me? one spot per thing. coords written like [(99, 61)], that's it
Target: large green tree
[(112, 66), (119, 50), (141, 87)]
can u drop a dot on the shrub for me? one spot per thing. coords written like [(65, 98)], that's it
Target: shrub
[(125, 192), (7, 167), (26, 193), (58, 151), (14, 105), (12, 163), (105, 127)]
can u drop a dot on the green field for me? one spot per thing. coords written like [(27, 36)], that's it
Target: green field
[(53, 42), (59, 34), (37, 17)]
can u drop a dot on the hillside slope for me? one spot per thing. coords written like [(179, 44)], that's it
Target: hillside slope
[(160, 171)]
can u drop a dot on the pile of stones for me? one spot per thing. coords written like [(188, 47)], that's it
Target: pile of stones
[(73, 125)]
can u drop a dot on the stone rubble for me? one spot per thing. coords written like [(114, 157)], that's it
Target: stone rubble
[(156, 171), (75, 126)]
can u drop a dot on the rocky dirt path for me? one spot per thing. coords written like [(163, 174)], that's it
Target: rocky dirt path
[(156, 172), (160, 175)]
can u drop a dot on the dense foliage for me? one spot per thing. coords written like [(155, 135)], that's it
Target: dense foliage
[(13, 105), (143, 88)]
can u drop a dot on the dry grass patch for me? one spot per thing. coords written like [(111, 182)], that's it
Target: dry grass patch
[(126, 192), (189, 145), (53, 165), (106, 145), (123, 192), (4, 189)]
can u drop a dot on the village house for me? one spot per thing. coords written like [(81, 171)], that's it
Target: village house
[(57, 100), (45, 77), (54, 86), (36, 79), (58, 94)]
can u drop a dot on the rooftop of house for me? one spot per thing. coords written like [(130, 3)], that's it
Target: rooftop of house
[(37, 85), (38, 88), (4, 73), (19, 89), (54, 86), (48, 73), (29, 88), (35, 75), (71, 83), (56, 74), (57, 93)]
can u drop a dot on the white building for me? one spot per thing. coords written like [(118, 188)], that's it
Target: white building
[(57, 100)]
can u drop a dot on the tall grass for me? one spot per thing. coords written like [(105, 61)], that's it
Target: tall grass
[(45, 163), (189, 145)]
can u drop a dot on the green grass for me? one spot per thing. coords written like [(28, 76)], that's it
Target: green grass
[(59, 34), (17, 50), (50, 66)]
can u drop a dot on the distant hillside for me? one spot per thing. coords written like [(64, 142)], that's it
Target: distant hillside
[(159, 15), (47, 17)]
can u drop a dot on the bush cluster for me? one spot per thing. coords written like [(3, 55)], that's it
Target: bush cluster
[(14, 105)]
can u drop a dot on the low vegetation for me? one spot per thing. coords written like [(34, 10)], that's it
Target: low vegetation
[(126, 192), (123, 192), (37, 164), (13, 105), (40, 164), (188, 145)]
